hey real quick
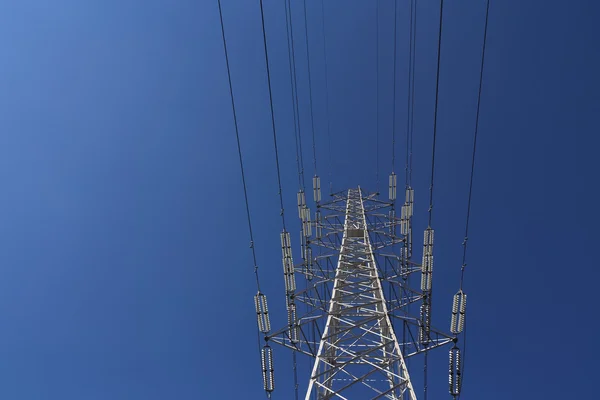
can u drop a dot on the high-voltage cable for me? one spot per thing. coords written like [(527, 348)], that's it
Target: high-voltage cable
[(306, 223), (411, 91), (302, 208), (263, 322), (239, 147), (462, 324), (267, 357), (262, 14), (437, 91), (464, 261), (377, 95), (326, 93), (292, 91), (394, 92), (437, 87), (310, 98), (294, 82)]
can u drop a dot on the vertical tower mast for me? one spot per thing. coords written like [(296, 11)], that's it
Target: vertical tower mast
[(343, 318), (358, 346)]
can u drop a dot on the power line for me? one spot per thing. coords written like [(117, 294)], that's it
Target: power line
[(464, 260), (237, 136), (262, 15), (437, 87), (411, 91), (412, 109), (437, 91), (239, 147), (293, 92), (292, 56), (394, 92), (314, 149), (326, 94), (377, 93), (409, 125), (312, 120), (299, 131)]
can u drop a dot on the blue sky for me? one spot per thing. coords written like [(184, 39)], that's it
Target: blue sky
[(125, 269)]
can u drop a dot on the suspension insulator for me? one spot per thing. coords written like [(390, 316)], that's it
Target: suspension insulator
[(425, 282), (403, 220), (301, 203), (267, 368), (286, 245), (428, 237), (262, 313), (459, 307), (427, 262), (306, 224), (425, 279), (454, 319), (317, 188), (288, 263), (458, 369), (309, 263), (462, 313), (292, 323), (393, 186), (409, 201), (451, 377), (290, 281), (454, 370), (409, 242), (425, 325), (318, 225), (403, 261), (392, 216)]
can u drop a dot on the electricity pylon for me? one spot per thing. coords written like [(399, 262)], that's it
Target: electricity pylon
[(358, 335), (358, 345)]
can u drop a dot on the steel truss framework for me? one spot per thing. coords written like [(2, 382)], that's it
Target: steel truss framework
[(348, 316)]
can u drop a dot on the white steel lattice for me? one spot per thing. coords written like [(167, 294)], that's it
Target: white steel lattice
[(354, 291), (358, 346)]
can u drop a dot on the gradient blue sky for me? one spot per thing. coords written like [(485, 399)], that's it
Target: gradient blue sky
[(125, 269)]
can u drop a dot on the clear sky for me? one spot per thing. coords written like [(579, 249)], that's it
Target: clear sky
[(125, 271)]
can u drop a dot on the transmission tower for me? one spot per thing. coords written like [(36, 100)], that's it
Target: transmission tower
[(343, 318), (358, 345)]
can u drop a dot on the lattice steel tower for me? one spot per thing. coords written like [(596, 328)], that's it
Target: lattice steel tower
[(356, 314)]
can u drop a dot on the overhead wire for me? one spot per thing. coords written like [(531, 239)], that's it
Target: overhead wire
[(411, 91), (437, 87), (409, 122), (314, 148), (298, 139), (394, 90), (377, 94), (310, 97), (464, 258), (262, 14), (239, 148), (293, 91), (437, 91), (327, 117), (412, 109), (298, 132)]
